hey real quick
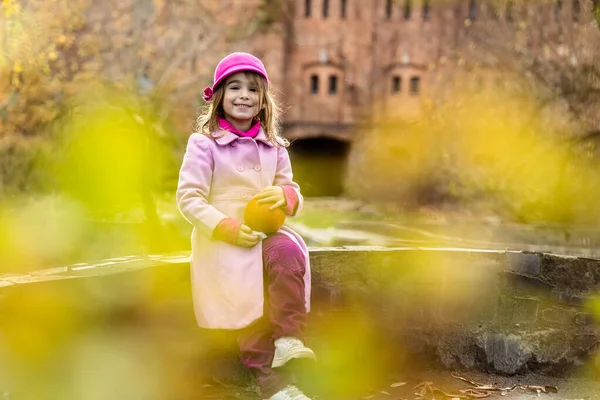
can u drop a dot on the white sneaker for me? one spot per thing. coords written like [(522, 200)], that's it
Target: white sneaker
[(287, 348), (290, 392)]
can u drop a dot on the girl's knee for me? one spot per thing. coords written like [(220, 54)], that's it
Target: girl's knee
[(282, 251)]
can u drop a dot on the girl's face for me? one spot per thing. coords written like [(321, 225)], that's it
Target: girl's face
[(241, 100)]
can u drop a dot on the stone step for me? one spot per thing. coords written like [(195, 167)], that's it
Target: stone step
[(504, 311)]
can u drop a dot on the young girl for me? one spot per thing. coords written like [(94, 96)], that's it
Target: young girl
[(235, 156)]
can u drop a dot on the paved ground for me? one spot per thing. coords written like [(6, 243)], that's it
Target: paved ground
[(338, 221)]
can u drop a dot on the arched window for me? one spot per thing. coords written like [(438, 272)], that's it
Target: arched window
[(509, 11), (314, 84), (396, 84), (307, 6), (472, 10), (323, 88), (576, 10), (343, 6), (407, 9), (425, 10), (333, 84), (415, 85)]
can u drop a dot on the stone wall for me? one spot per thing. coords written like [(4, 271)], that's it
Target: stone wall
[(506, 312), (497, 311)]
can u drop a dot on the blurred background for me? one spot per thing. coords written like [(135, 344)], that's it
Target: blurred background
[(448, 121)]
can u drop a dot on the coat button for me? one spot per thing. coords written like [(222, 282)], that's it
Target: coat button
[(240, 168), (257, 167)]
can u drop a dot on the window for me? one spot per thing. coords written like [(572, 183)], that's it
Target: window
[(472, 10), (407, 9), (557, 9), (509, 11), (314, 84), (343, 6), (576, 10), (333, 80), (415, 85), (396, 84), (388, 9), (307, 8), (325, 8), (425, 10)]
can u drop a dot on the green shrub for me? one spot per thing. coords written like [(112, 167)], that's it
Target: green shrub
[(25, 165)]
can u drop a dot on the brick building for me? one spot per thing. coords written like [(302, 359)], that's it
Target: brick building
[(341, 62)]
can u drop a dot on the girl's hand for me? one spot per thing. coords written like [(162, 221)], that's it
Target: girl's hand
[(246, 237), (272, 194)]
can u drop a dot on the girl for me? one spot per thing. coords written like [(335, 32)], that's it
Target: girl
[(237, 155)]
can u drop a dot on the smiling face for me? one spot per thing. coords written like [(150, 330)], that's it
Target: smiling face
[(241, 101)]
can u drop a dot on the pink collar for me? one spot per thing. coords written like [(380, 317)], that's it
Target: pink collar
[(251, 133)]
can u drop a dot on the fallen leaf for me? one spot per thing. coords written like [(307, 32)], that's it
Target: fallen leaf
[(397, 384), (540, 389), (384, 392), (475, 393), (486, 387), (466, 380)]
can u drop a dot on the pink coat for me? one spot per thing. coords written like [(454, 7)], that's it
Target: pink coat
[(217, 178)]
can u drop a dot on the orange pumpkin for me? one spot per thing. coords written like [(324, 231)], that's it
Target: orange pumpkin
[(259, 218)]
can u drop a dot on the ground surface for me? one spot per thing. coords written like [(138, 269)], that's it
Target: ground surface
[(407, 387)]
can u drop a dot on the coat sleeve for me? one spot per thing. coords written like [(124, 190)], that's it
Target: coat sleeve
[(193, 188), (284, 177)]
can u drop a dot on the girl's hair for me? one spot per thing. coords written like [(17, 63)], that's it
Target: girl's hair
[(269, 114)]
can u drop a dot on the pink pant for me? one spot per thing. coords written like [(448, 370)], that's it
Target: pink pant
[(285, 312)]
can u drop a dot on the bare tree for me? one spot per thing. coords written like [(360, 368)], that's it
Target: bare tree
[(552, 44)]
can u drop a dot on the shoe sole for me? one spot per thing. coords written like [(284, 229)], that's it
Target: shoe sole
[(304, 355)]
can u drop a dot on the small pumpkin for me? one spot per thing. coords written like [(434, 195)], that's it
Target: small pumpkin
[(261, 219)]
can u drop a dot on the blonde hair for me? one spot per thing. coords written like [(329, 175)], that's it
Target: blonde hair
[(269, 115)]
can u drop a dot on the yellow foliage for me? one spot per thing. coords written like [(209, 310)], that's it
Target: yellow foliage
[(492, 146), (73, 40), (29, 35)]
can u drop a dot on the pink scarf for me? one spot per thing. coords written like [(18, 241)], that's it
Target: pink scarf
[(252, 132)]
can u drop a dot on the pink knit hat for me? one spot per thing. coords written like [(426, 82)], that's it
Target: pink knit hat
[(235, 62)]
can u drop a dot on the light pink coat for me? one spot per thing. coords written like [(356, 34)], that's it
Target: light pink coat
[(217, 178)]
